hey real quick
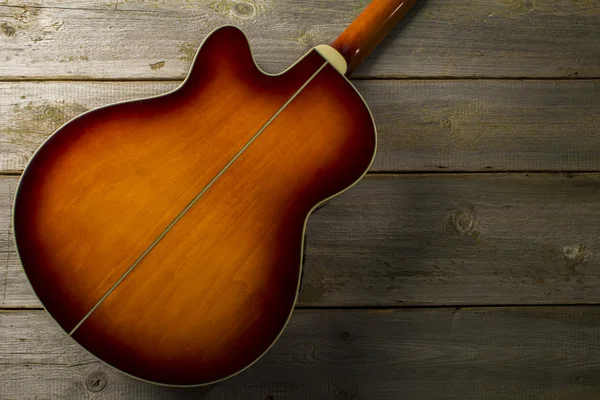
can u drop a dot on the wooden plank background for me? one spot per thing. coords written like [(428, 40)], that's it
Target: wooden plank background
[(120, 39), (347, 354), (432, 239), (465, 266), (433, 125)]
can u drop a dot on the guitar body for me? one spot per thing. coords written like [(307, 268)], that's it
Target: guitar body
[(165, 235)]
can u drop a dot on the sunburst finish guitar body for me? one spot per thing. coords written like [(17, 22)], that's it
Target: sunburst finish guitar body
[(165, 235)]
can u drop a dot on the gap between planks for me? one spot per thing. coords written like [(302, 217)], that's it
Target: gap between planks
[(84, 79), (390, 308), (442, 171)]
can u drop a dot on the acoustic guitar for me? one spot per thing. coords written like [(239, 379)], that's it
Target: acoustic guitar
[(165, 235)]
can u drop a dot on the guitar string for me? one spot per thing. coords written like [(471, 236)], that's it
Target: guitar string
[(191, 204)]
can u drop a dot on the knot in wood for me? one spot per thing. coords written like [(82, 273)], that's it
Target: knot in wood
[(8, 30), (50, 113), (464, 222), (446, 123), (58, 25), (527, 5), (345, 336), (96, 381), (244, 10), (572, 252)]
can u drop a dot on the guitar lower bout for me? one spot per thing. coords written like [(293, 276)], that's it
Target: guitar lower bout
[(166, 234)]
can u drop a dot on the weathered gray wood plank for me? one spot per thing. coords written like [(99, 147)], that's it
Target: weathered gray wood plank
[(14, 289), (457, 239), (31, 111), (438, 239), (527, 353), (479, 125), (123, 39)]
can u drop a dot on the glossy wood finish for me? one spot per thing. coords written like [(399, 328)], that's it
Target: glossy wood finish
[(137, 165), (218, 288), (369, 29)]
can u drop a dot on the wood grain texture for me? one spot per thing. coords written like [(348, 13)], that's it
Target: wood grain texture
[(482, 239), (133, 39), (483, 125), (534, 353)]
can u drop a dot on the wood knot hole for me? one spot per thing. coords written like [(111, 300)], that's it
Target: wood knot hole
[(446, 123), (344, 336), (464, 222), (96, 381)]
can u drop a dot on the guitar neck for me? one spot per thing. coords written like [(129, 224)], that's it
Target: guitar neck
[(368, 30)]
